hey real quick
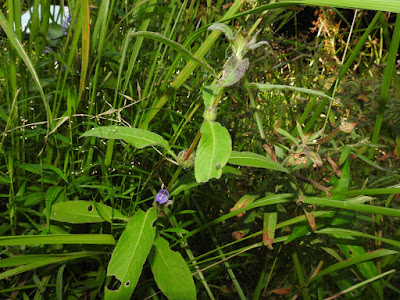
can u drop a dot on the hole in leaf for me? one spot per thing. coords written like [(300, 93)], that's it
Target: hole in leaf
[(350, 252), (90, 207), (127, 283), (113, 283), (353, 293)]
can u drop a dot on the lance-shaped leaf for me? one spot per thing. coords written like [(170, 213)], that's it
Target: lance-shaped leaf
[(250, 159), (225, 29), (346, 150), (245, 200), (234, 69), (256, 45), (138, 138), (79, 212), (130, 254), (268, 87), (171, 272), (253, 45), (270, 220), (354, 260), (26, 263), (213, 151), (176, 46), (311, 219)]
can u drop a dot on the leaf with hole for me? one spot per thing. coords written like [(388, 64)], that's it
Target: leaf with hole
[(130, 254), (79, 212)]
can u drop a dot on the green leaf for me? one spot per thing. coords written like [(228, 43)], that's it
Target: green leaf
[(213, 151), (54, 239), (298, 231), (342, 183), (79, 212), (266, 201), (4, 180), (138, 138), (346, 232), (352, 251), (234, 69), (250, 159), (268, 87), (231, 172), (256, 45), (176, 46), (244, 201), (12, 37), (224, 29), (389, 5), (40, 168), (131, 252), (270, 221), (346, 150), (367, 160), (171, 272), (348, 205), (239, 45), (210, 92), (184, 183), (55, 31), (38, 262)]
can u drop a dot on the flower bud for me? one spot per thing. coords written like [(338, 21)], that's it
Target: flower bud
[(181, 157), (182, 161), (316, 159), (189, 162)]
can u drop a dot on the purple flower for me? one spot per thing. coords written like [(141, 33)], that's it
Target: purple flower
[(65, 25), (47, 50), (162, 196)]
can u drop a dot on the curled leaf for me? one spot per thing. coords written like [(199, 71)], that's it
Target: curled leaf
[(224, 29), (256, 45)]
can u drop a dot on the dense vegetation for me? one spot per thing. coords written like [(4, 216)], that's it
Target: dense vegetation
[(218, 149)]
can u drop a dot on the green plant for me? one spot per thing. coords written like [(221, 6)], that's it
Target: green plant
[(152, 155)]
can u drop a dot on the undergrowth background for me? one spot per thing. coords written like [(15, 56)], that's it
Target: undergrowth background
[(319, 102)]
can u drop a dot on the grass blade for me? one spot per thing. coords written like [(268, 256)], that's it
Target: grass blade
[(176, 46), (55, 239)]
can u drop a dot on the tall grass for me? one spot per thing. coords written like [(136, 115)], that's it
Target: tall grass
[(284, 183)]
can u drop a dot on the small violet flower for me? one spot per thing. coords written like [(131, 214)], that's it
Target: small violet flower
[(65, 25), (162, 196), (47, 50)]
